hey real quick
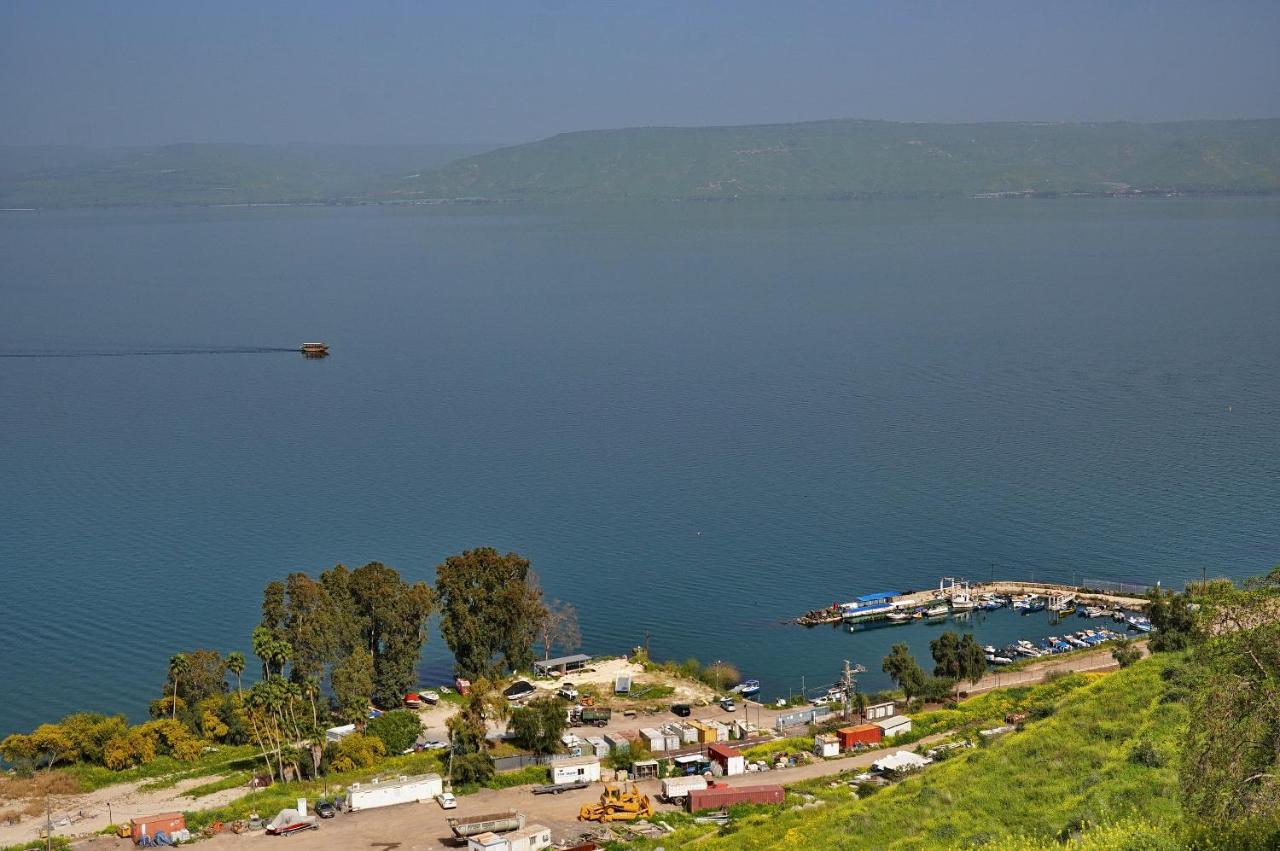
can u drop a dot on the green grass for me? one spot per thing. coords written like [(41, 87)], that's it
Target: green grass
[(164, 771), (1071, 768)]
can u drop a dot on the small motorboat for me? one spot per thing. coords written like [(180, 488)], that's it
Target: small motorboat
[(314, 350), (899, 617), (997, 659), (748, 688), (429, 697), (937, 612)]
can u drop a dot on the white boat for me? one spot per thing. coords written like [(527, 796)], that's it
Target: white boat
[(937, 612), (899, 617), (997, 659), (958, 593), (1026, 648), (1075, 642)]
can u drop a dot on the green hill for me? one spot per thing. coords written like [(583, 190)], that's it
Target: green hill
[(841, 159), (212, 174)]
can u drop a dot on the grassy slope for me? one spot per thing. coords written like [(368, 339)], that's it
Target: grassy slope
[(1072, 767), (216, 174), (841, 158)]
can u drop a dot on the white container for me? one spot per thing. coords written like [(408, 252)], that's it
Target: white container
[(677, 788), (387, 793)]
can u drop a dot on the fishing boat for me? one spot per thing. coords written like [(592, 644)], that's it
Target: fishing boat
[(1092, 612), (990, 604), (1141, 624), (855, 613), (1075, 641), (314, 350), (1035, 604)]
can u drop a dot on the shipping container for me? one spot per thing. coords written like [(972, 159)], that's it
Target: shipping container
[(863, 734), (598, 745), (386, 793), (727, 796), (618, 742), (149, 826), (656, 741), (877, 711)]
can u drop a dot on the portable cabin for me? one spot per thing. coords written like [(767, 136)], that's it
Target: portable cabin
[(622, 684), (617, 742), (694, 763), (826, 745), (386, 793), (149, 826), (721, 730), (575, 769)]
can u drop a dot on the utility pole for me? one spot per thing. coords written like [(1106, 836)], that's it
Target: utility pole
[(849, 684)]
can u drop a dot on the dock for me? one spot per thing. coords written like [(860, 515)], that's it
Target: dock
[(880, 605)]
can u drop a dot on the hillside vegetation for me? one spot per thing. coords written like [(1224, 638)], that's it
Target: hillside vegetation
[(839, 159), (211, 174)]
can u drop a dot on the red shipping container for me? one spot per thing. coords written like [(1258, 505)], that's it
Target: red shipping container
[(727, 796), (863, 734), (169, 823)]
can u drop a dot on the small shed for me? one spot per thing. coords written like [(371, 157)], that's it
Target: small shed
[(617, 742), (598, 745), (519, 690), (535, 837), (574, 769), (825, 745), (721, 729), (561, 665), (895, 725), (862, 734), (687, 732), (487, 841), (656, 741), (876, 711), (622, 684), (730, 760), (644, 769)]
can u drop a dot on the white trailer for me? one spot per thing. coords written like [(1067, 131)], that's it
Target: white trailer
[(535, 837), (676, 789), (585, 768), (386, 793)]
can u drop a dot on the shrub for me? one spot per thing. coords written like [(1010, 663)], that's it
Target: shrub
[(1146, 753), (356, 751), (398, 730)]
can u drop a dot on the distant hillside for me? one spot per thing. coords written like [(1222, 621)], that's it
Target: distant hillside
[(211, 174), (838, 159)]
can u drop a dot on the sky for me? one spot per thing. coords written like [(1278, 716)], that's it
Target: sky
[(372, 72)]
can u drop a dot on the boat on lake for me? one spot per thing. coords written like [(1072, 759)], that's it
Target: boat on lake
[(748, 688), (314, 350), (939, 611)]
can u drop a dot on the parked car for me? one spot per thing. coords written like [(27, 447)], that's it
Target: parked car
[(324, 809), (447, 801), (682, 709), (435, 745), (728, 705)]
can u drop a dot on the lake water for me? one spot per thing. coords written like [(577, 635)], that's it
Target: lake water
[(697, 421)]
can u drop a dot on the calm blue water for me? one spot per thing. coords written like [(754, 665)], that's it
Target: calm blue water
[(696, 421)]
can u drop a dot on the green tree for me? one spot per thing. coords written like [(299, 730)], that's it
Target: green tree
[(356, 751), (539, 725), (468, 733), (204, 675), (235, 665), (904, 670), (393, 616), (1125, 652), (937, 689), (352, 683), (398, 729), (491, 611), (946, 656), (1172, 617), (177, 668)]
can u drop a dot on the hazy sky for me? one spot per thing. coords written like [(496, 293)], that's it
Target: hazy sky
[(137, 72)]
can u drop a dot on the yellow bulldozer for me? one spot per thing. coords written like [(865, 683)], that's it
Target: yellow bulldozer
[(618, 804)]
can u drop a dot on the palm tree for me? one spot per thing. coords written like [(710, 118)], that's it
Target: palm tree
[(177, 668), (235, 664)]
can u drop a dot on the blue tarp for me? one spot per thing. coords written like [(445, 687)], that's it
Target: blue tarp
[(871, 598)]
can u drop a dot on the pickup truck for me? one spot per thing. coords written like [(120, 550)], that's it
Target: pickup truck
[(557, 788)]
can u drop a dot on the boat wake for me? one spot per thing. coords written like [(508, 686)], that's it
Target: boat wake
[(129, 353)]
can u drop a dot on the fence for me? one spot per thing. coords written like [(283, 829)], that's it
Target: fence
[(799, 718), (512, 763)]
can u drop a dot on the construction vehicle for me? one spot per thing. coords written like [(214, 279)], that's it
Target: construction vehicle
[(618, 804)]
